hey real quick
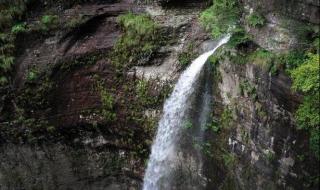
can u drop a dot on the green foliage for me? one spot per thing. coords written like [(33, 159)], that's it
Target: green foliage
[(107, 102), (226, 117), (214, 60), (220, 17), (289, 61), (187, 125), (49, 22), (262, 58), (238, 37), (142, 92), (246, 88), (19, 28), (255, 20), (11, 10), (270, 155), (306, 79), (3, 80), (316, 44), (35, 96), (6, 63), (76, 21), (141, 25), (315, 141), (32, 74), (138, 42), (214, 126), (187, 56), (306, 76), (229, 160)]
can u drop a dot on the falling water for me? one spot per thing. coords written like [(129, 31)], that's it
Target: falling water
[(173, 164)]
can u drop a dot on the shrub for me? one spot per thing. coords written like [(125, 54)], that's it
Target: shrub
[(32, 75), (18, 28), (220, 17), (3, 80), (76, 21), (238, 37), (306, 79), (49, 22), (255, 20), (138, 42), (187, 56), (107, 102), (262, 58), (11, 10), (291, 60), (229, 160)]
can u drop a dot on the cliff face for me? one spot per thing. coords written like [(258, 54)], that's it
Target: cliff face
[(288, 23), (263, 135), (58, 131), (268, 152)]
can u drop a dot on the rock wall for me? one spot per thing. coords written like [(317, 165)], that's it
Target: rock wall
[(295, 9), (60, 140), (263, 137), (288, 23)]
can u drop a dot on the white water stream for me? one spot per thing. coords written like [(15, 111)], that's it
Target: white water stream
[(165, 152)]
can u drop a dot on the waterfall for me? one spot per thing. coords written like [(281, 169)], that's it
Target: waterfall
[(172, 156)]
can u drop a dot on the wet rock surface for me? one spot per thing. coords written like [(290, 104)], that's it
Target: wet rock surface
[(263, 136)]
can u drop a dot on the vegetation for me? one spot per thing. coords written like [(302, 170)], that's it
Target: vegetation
[(19, 28), (107, 101), (306, 79), (11, 10), (226, 117), (49, 22), (238, 37), (76, 21), (229, 160), (221, 17), (255, 20), (187, 56), (262, 58), (138, 42)]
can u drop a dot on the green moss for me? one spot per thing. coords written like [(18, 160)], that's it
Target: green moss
[(246, 88), (263, 58), (138, 42), (229, 160), (49, 22), (107, 101), (220, 17), (19, 28), (306, 79), (187, 56), (255, 20), (187, 125), (32, 74), (270, 155), (238, 37), (226, 117), (76, 21), (11, 10)]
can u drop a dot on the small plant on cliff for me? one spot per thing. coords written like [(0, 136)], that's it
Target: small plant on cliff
[(138, 42), (262, 58), (238, 37), (187, 56), (49, 22), (306, 79), (255, 20), (107, 102), (19, 28), (220, 17)]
